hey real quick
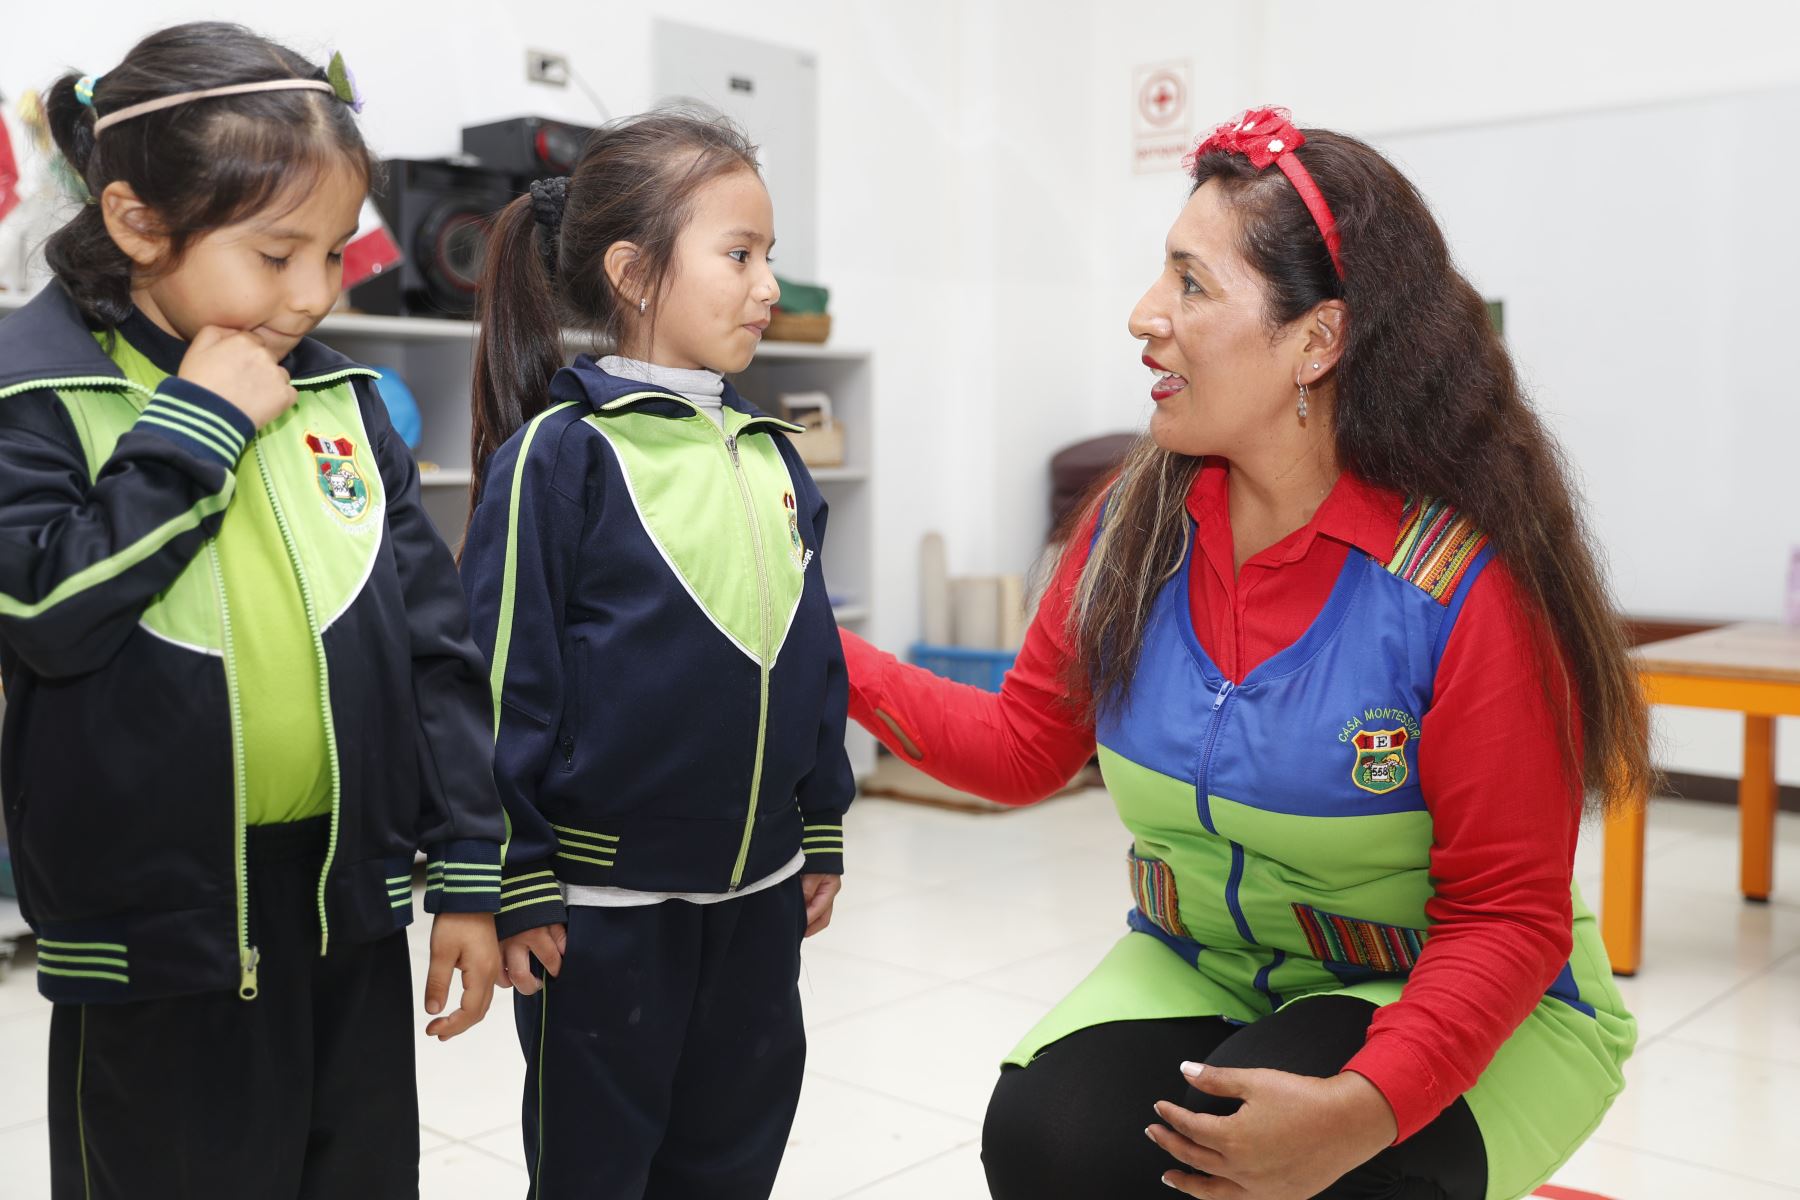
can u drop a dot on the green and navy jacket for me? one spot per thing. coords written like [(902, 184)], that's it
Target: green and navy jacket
[(669, 690), (123, 767)]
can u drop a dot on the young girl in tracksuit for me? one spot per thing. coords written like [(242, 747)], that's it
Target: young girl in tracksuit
[(643, 570), (240, 687)]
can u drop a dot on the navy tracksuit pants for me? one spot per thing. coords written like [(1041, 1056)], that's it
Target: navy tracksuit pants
[(663, 1062), (305, 1093)]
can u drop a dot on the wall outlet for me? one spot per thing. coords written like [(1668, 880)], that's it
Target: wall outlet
[(541, 66)]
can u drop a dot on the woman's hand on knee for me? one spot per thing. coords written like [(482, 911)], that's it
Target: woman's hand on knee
[(1293, 1137)]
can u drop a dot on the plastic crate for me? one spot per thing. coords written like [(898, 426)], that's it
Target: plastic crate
[(983, 668)]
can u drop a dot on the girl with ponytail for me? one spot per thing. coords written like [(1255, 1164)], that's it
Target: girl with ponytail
[(643, 568)]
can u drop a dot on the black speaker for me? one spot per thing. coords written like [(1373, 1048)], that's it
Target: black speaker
[(529, 146), (440, 213)]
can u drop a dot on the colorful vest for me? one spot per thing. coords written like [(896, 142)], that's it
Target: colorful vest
[(1299, 787), (1281, 845)]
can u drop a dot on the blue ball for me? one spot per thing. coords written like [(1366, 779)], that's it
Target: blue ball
[(403, 410)]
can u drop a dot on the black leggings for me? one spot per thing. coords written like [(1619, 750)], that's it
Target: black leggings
[(1072, 1124)]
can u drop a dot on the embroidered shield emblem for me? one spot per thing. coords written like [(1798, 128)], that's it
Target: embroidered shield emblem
[(1380, 760), (337, 476)]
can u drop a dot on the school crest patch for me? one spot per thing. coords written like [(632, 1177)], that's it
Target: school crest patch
[(337, 476), (1380, 760)]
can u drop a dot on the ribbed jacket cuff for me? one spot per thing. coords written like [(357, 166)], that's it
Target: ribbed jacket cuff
[(529, 896), (200, 422), (822, 840), (462, 877)]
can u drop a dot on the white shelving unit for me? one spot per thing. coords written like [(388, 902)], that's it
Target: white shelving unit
[(436, 358)]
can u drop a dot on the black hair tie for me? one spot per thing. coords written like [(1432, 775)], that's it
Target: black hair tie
[(549, 197)]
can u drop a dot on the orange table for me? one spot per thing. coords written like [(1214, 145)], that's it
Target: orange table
[(1750, 668)]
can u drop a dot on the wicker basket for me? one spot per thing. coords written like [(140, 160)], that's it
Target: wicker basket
[(798, 327)]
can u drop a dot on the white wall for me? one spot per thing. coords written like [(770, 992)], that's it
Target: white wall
[(983, 231), (1648, 287), (1668, 380)]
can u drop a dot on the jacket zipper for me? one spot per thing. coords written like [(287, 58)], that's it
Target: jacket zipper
[(119, 381), (318, 641), (768, 621), (337, 376), (1235, 879), (1204, 797), (312, 626), (762, 584), (80, 382), (248, 955)]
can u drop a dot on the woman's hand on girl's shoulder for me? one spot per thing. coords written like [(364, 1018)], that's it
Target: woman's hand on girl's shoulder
[(237, 366)]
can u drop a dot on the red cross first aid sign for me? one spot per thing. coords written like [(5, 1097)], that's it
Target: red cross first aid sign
[(1162, 124)]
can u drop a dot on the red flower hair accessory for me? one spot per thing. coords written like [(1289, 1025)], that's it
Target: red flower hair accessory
[(1267, 136)]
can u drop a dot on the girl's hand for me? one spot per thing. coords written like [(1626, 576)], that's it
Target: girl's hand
[(465, 942), (820, 892), (236, 365), (1294, 1137), (546, 943)]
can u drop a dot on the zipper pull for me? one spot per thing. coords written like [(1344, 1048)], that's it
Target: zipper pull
[(1224, 691), (731, 445), (248, 958)]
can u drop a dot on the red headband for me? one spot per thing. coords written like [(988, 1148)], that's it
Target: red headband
[(1264, 136)]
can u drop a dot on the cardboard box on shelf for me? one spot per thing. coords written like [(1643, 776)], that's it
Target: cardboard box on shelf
[(822, 445)]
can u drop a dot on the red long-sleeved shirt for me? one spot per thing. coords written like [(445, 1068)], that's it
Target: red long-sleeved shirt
[(1505, 806)]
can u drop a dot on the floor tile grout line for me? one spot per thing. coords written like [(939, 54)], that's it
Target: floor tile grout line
[(986, 969), (26, 1124), (1025, 962), (879, 962), (939, 982), (1627, 1148), (916, 887), (471, 1138), (935, 981), (991, 990), (481, 1150), (873, 1091), (923, 1162), (1667, 1039), (1727, 994)]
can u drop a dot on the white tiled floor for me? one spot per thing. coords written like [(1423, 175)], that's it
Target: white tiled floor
[(955, 933)]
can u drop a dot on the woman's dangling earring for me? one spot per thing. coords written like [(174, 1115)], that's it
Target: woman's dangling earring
[(643, 303), (1301, 407)]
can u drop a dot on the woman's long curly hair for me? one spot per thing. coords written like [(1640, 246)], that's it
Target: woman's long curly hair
[(1428, 405)]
